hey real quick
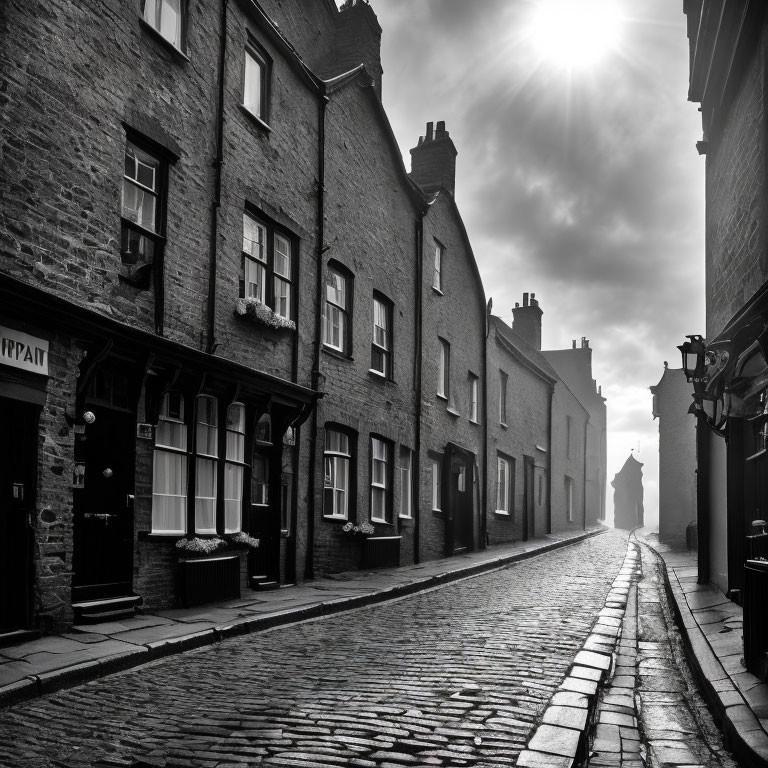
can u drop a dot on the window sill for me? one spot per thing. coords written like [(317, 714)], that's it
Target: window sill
[(438, 513), (500, 513), (167, 44), (374, 521), (379, 376), (255, 119), (437, 291), (405, 519), (473, 421), (331, 519), (503, 425), (453, 412), (442, 397), (337, 354), (159, 537)]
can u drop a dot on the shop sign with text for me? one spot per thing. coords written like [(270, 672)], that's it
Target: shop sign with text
[(20, 350)]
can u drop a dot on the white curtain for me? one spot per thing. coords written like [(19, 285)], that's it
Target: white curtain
[(169, 493), (205, 496)]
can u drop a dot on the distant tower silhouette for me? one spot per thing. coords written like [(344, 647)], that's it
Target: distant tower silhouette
[(628, 495)]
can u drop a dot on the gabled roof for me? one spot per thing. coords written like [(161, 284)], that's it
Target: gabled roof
[(361, 76), (524, 352)]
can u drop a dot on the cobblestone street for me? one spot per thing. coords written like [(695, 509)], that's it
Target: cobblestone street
[(458, 675)]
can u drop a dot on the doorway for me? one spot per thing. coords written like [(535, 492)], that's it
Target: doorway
[(18, 487), (529, 501), (103, 505), (460, 484)]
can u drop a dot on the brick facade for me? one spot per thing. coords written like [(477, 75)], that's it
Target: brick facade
[(318, 170)]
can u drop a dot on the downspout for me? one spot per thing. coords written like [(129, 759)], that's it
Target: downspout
[(218, 164), (584, 482), (702, 500), (549, 456), (309, 566), (418, 341), (484, 503)]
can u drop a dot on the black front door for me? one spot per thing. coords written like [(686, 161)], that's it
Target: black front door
[(529, 510), (18, 474), (103, 505), (460, 484)]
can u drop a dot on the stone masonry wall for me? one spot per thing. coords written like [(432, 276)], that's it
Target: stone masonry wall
[(737, 260), (458, 316), (370, 225)]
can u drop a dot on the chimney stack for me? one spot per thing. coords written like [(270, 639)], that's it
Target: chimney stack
[(526, 320), (433, 160), (358, 40)]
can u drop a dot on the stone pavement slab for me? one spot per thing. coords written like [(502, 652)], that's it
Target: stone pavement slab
[(736, 696)]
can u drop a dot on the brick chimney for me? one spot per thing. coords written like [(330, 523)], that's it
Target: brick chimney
[(433, 161), (358, 40), (526, 320)]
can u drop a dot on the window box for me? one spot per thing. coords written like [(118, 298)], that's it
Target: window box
[(258, 312)]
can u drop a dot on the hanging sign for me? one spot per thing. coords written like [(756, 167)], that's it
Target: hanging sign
[(20, 350)]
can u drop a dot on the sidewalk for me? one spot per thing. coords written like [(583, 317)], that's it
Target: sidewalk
[(57, 661), (711, 626)]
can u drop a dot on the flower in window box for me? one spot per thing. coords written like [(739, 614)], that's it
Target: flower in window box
[(241, 538), (364, 529), (196, 546), (259, 312)]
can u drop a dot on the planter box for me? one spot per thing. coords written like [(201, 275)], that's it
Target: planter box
[(208, 579), (381, 552)]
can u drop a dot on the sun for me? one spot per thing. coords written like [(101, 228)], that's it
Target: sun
[(575, 34)]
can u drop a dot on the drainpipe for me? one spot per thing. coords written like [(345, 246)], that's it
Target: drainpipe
[(418, 371), (584, 484), (549, 457), (218, 164), (484, 502), (309, 565), (702, 500)]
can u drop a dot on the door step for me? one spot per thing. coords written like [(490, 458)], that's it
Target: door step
[(94, 611), (18, 636), (261, 583)]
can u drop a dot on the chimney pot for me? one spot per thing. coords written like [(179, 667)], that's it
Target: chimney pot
[(525, 299), (429, 131), (517, 304), (574, 343), (440, 131)]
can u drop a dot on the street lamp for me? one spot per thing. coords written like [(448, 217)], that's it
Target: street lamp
[(694, 354)]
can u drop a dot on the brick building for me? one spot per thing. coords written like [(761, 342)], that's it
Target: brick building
[(574, 366), (677, 457), (728, 78), (228, 314)]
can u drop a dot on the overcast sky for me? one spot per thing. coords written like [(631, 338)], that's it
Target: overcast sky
[(579, 183)]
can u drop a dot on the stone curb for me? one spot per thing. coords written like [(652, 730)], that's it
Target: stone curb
[(57, 679), (562, 738), (743, 734)]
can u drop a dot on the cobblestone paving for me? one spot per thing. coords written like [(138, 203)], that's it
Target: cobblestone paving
[(456, 676), (651, 713)]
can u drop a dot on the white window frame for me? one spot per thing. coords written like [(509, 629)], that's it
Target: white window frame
[(503, 485), (333, 459), (381, 457), (473, 398), (267, 271), (406, 483), (156, 14), (381, 341), (444, 369), (436, 490), (206, 455), (335, 315), (437, 273), (503, 382), (256, 81), (234, 468), (177, 447)]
